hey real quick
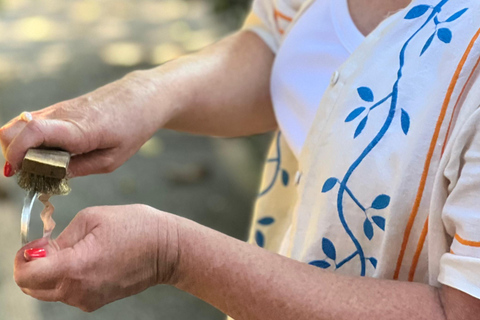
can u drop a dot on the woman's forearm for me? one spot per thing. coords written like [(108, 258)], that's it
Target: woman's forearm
[(222, 90), (248, 282)]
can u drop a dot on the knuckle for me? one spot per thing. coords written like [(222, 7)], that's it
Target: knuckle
[(87, 213), (36, 127), (109, 165)]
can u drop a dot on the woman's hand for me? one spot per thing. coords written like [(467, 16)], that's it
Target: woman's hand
[(106, 254), (102, 129)]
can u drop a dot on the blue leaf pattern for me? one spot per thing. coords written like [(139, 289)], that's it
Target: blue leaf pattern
[(366, 94), (354, 114), (427, 44), (285, 177), (456, 15), (266, 221), (329, 249), (329, 184), (360, 127), (368, 229), (445, 35), (379, 221), (320, 263), (405, 119), (260, 239), (417, 11), (381, 202)]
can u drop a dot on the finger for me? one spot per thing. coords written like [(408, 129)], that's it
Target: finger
[(95, 162), (77, 230), (46, 273), (47, 133), (10, 131)]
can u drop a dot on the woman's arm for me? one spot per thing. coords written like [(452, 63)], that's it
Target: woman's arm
[(247, 282), (105, 255), (222, 90)]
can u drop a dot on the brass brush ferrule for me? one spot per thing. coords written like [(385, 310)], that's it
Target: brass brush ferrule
[(45, 171)]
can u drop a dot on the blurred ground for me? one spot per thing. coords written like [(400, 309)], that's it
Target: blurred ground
[(51, 50)]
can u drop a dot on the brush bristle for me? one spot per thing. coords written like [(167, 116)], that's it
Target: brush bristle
[(40, 184)]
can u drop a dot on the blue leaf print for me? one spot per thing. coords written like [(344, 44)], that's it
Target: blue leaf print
[(381, 202), (417, 11), (285, 177), (368, 229), (405, 122), (320, 263), (427, 44), (366, 94), (329, 249), (373, 261), (360, 127), (354, 114), (379, 221), (445, 35), (456, 15), (260, 239), (329, 184), (266, 221), (435, 19)]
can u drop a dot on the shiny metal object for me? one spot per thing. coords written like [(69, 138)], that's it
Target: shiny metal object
[(47, 163), (26, 214)]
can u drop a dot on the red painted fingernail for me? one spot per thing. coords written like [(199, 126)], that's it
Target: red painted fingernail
[(8, 170), (35, 253)]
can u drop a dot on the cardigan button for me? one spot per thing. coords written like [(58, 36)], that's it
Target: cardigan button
[(298, 177), (334, 78)]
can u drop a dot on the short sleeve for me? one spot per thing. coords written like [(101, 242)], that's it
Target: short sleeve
[(270, 18), (460, 268)]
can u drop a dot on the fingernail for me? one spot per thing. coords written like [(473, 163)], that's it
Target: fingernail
[(8, 170), (35, 253)]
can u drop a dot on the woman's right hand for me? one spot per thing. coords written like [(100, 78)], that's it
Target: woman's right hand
[(102, 129)]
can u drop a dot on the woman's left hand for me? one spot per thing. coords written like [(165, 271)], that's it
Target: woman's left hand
[(106, 254)]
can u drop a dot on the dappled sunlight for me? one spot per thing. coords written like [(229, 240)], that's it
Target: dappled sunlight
[(34, 29), (85, 11), (41, 37), (122, 54), (165, 52)]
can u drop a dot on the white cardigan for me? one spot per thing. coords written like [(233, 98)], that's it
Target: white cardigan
[(387, 182)]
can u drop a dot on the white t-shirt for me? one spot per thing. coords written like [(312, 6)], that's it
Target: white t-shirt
[(322, 40)]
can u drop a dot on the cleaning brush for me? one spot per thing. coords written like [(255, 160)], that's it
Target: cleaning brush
[(45, 171)]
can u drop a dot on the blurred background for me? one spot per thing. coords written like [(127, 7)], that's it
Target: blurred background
[(52, 50)]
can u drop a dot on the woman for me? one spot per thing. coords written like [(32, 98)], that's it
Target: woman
[(386, 169)]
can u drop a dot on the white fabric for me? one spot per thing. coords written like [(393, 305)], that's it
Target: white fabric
[(382, 161), (316, 45)]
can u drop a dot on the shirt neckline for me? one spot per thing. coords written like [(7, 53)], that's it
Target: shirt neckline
[(346, 30)]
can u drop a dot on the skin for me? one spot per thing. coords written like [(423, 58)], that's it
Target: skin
[(222, 90)]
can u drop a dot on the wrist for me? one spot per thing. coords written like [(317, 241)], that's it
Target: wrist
[(168, 249)]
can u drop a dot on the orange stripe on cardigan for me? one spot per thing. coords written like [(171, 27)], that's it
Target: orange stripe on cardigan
[(468, 243), (277, 14), (423, 236), (416, 257), (428, 160), (456, 104)]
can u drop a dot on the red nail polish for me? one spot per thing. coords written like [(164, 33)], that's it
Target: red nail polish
[(35, 253), (8, 170)]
